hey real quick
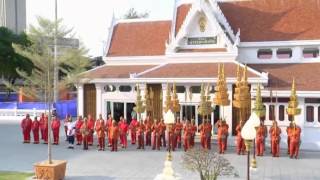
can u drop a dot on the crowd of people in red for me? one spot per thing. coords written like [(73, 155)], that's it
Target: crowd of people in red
[(155, 133)]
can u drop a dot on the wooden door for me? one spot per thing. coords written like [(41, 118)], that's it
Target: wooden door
[(157, 101), (89, 100)]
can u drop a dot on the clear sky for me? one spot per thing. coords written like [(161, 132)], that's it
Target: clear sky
[(91, 18)]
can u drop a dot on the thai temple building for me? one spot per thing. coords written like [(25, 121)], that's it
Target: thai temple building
[(278, 41)]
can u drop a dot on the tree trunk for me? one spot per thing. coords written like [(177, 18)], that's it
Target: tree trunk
[(202, 176)]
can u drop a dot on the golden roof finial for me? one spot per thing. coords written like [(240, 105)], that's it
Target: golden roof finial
[(245, 76), (238, 75), (293, 88)]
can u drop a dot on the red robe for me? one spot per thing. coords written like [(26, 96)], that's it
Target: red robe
[(91, 123), (42, 128), (295, 141), (208, 129), (187, 135), (78, 133), (202, 135), (108, 127), (35, 130), (260, 140), (45, 130), (222, 136), (148, 130), (100, 130), (114, 134), (162, 133), (193, 134), (123, 126), (26, 125), (178, 133), (55, 125), (140, 134), (275, 140), (240, 142), (156, 127), (172, 138), (133, 130)]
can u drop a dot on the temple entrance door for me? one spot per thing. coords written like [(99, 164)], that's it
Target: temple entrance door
[(118, 109), (156, 101), (89, 100)]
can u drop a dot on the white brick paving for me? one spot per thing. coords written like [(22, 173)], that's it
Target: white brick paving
[(132, 164)]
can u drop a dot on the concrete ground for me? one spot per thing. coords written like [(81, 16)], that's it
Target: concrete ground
[(133, 164)]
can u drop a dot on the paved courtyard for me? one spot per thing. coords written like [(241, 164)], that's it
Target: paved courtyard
[(132, 164)]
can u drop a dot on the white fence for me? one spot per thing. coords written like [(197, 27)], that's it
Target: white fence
[(19, 114)]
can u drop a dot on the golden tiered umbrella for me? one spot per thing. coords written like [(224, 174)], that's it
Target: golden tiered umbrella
[(205, 105), (140, 108), (175, 100), (293, 109), (259, 108), (242, 97), (221, 90)]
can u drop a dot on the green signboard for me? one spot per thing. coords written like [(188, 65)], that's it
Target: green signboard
[(202, 40)]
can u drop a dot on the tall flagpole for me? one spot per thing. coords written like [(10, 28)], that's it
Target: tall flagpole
[(56, 78)]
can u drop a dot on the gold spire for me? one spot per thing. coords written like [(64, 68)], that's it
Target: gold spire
[(259, 109), (139, 103), (238, 76), (221, 94), (175, 100), (168, 99), (293, 109)]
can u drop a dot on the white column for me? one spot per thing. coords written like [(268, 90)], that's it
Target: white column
[(80, 103), (99, 88), (125, 110), (274, 53)]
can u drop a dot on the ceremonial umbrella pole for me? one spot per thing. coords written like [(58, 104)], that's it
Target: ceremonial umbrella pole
[(293, 109), (260, 111), (175, 101), (221, 90), (242, 101), (140, 108), (168, 106)]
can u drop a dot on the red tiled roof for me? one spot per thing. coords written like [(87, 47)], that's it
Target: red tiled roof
[(139, 38), (280, 75), (115, 71), (274, 20), (193, 70), (182, 12)]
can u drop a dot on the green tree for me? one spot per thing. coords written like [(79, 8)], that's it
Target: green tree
[(9, 59), (71, 62), (134, 14)]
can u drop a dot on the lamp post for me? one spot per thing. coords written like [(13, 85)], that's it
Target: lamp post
[(248, 133)]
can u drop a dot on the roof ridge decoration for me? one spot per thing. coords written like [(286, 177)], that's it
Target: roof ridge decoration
[(110, 28), (206, 7)]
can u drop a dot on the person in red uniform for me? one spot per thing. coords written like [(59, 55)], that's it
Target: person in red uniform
[(85, 133), (46, 129), (202, 134), (101, 132), (79, 123), (172, 138), (148, 130), (35, 130), (26, 125), (108, 127), (65, 124), (275, 132), (114, 136), (123, 126), (193, 133), (55, 125), (260, 137), (289, 130), (295, 140), (222, 136), (41, 124), (208, 134), (162, 133), (156, 135), (178, 132), (133, 130), (240, 142), (91, 123), (187, 133), (140, 134)]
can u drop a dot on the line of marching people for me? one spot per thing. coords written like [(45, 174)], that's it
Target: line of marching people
[(156, 134)]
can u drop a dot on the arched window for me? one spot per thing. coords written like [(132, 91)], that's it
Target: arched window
[(284, 53), (310, 114), (180, 89), (310, 52), (264, 54), (195, 89), (109, 88), (125, 88), (271, 113)]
